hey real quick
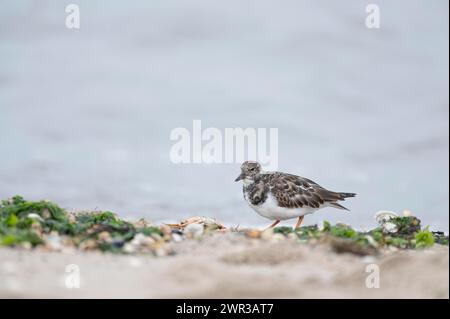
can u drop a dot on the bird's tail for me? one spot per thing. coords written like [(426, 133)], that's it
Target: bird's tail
[(341, 196), (346, 195)]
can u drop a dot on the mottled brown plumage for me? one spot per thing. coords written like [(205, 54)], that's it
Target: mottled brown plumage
[(292, 191)]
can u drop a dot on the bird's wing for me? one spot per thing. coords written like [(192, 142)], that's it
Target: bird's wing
[(293, 191)]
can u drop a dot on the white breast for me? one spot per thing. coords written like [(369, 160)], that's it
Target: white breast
[(271, 210)]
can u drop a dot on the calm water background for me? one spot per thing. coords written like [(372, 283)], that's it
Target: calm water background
[(85, 115)]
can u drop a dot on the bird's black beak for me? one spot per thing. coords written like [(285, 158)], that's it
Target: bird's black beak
[(239, 177)]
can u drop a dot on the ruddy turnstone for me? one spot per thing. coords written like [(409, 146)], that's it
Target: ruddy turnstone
[(280, 196)]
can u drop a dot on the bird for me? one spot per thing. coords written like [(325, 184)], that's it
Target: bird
[(281, 196)]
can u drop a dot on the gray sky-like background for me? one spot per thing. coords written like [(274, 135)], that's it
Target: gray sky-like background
[(85, 115)]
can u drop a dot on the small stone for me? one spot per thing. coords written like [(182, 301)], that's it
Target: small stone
[(407, 213), (253, 233), (54, 242), (104, 236), (37, 228), (72, 218), (147, 241), (193, 230), (26, 245), (118, 242), (156, 237), (46, 214), (177, 237), (138, 238), (129, 248), (141, 223), (166, 230), (89, 244), (140, 242)]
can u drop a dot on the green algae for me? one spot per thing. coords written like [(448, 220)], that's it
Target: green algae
[(283, 230), (29, 222), (406, 234), (424, 238)]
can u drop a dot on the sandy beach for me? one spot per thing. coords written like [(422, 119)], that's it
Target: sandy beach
[(227, 265)]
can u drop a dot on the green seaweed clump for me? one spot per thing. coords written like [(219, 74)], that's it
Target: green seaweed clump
[(341, 230), (402, 232), (20, 220), (424, 238), (283, 230), (308, 232), (406, 225), (27, 223)]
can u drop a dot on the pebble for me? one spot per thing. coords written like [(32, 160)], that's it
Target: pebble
[(166, 230), (156, 237), (54, 242), (193, 230), (105, 236), (407, 213), (253, 233), (177, 237), (89, 244), (142, 240), (72, 219), (129, 248), (46, 214)]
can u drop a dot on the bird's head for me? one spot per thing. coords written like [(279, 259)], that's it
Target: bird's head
[(249, 171)]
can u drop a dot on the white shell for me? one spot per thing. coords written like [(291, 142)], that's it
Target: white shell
[(389, 227), (383, 216)]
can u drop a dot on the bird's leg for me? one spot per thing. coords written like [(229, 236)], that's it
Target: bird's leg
[(299, 222), (273, 225)]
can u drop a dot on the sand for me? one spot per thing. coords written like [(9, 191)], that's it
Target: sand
[(226, 265)]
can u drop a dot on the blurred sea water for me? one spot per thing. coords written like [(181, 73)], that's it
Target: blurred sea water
[(85, 115)]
